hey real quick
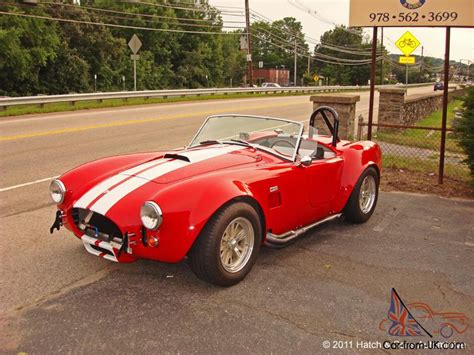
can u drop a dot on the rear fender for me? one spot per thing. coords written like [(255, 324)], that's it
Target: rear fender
[(358, 157)]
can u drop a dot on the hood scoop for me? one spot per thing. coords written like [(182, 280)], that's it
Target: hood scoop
[(176, 156)]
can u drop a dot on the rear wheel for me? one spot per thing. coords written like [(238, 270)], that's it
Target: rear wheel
[(227, 247), (361, 204)]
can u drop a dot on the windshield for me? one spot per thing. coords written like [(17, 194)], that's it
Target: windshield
[(271, 134)]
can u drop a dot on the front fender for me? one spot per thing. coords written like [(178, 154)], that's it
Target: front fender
[(187, 207)]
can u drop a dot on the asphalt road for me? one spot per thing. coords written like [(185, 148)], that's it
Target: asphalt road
[(334, 284), (40, 271)]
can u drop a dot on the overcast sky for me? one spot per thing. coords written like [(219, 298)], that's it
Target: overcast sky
[(462, 40)]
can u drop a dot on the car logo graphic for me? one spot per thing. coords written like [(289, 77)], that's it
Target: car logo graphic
[(419, 319), (412, 4)]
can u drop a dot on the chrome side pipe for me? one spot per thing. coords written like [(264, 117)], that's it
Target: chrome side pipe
[(279, 241)]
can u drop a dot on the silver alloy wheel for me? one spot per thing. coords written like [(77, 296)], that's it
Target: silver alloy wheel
[(237, 244), (367, 194)]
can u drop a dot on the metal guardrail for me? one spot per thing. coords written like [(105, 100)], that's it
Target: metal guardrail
[(73, 98)]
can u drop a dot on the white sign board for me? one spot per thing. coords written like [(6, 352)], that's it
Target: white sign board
[(135, 44), (411, 13), (243, 43)]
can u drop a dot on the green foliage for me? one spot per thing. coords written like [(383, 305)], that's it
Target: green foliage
[(415, 75), (342, 74), (26, 48), (273, 44), (465, 128), (45, 57)]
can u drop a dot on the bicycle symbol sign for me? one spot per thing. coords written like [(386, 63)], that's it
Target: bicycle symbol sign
[(407, 43)]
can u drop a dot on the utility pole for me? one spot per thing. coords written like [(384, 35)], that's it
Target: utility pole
[(309, 64), (296, 63), (422, 59), (249, 44), (381, 67)]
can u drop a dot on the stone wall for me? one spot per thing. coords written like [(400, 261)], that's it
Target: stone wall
[(391, 101), (396, 109), (345, 106)]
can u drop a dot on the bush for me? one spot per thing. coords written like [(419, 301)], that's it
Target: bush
[(465, 128)]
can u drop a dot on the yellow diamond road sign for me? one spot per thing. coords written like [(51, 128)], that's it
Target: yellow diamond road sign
[(407, 43)]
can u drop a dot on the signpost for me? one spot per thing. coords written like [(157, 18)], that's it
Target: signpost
[(135, 44), (412, 13)]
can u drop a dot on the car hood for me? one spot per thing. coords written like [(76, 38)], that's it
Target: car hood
[(138, 183), (180, 165)]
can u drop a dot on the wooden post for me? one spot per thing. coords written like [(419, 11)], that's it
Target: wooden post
[(373, 67), (445, 106)]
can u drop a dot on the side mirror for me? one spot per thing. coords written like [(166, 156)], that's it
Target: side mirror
[(306, 160)]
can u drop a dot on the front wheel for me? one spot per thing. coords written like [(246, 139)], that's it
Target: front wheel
[(361, 204), (227, 247)]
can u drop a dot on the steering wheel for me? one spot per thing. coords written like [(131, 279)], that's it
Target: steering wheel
[(283, 141)]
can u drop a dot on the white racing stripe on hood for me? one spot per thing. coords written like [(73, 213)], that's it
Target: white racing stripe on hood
[(98, 189), (104, 204)]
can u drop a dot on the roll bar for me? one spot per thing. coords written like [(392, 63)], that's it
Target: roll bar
[(333, 128)]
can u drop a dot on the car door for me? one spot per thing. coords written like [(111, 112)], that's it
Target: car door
[(323, 183), (285, 199)]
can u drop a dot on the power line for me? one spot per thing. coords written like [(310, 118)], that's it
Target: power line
[(98, 9), (316, 59), (117, 25), (316, 15), (193, 9), (345, 49), (198, 25)]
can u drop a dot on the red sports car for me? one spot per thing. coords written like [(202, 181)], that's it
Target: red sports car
[(243, 181)]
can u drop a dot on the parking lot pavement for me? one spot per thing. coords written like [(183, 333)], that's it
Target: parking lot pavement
[(333, 284)]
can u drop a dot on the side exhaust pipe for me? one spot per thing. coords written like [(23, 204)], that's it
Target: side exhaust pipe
[(279, 241)]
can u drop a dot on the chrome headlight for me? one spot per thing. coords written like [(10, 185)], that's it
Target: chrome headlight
[(57, 191), (151, 215)]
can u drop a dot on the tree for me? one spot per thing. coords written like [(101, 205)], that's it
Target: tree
[(42, 56), (26, 48), (341, 43), (274, 45), (465, 128), (234, 60)]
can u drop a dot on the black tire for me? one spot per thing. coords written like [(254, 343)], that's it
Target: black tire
[(353, 211), (205, 255)]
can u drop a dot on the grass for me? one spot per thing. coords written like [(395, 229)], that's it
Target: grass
[(95, 104), (454, 171), (425, 138)]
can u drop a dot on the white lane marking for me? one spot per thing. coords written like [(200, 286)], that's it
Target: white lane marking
[(105, 203), (27, 184)]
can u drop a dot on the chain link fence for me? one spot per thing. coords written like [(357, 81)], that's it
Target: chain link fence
[(417, 149)]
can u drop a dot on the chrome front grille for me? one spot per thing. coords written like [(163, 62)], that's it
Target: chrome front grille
[(96, 225)]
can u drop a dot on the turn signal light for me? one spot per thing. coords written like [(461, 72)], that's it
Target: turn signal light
[(153, 241)]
